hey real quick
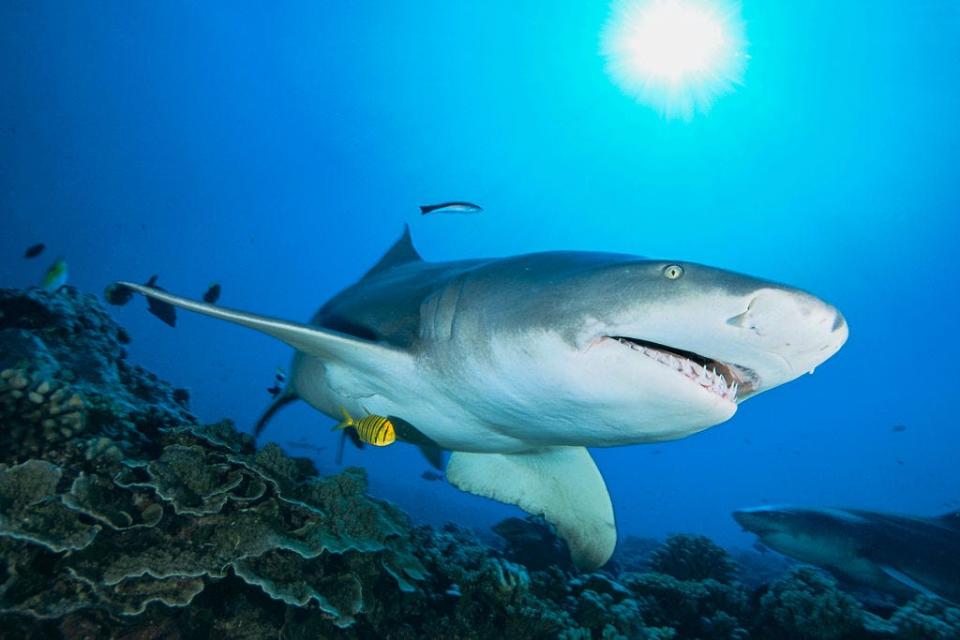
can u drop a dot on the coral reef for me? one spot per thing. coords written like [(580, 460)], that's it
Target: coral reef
[(633, 553), (806, 605), (692, 557), (533, 542), (121, 516), (116, 505), (926, 619)]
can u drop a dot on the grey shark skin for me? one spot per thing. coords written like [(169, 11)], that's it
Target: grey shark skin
[(898, 554), (518, 364)]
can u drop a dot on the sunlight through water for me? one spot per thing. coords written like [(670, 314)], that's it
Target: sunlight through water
[(676, 56)]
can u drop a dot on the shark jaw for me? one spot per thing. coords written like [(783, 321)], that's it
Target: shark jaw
[(719, 378)]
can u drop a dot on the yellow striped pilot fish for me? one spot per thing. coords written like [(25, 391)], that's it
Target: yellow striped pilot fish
[(372, 429)]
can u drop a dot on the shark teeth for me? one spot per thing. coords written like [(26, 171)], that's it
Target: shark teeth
[(707, 377)]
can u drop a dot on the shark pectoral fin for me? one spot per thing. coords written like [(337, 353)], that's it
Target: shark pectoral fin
[(907, 581), (562, 484), (322, 343)]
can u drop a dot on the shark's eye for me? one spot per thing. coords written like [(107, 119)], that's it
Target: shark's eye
[(672, 271)]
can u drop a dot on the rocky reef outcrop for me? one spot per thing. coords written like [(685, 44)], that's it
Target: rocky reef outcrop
[(122, 516), (120, 513)]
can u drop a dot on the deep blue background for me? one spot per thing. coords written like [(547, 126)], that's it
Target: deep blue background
[(279, 149)]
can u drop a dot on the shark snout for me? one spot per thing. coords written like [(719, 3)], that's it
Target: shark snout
[(798, 329), (759, 520), (748, 519)]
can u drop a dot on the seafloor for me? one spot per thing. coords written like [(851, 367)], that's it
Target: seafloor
[(122, 516)]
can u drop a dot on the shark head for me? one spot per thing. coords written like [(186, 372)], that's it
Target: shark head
[(900, 554), (826, 537), (652, 349)]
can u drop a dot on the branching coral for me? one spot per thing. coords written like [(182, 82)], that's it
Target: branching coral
[(926, 619), (807, 605), (692, 557)]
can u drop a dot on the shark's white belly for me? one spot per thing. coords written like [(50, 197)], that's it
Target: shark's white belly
[(400, 392), (504, 409)]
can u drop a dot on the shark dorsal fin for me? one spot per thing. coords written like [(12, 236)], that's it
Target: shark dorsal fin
[(401, 252)]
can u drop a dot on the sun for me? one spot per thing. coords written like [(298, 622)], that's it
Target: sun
[(677, 56)]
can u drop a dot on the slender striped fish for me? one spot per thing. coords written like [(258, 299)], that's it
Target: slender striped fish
[(451, 207)]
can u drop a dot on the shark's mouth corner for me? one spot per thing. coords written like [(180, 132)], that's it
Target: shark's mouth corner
[(724, 379)]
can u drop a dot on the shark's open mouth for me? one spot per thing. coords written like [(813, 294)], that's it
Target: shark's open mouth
[(723, 379)]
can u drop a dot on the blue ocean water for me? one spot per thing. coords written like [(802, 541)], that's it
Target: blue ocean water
[(279, 150)]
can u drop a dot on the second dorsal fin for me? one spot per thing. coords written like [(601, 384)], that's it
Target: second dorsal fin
[(401, 252)]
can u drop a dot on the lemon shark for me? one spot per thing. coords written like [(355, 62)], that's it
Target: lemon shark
[(898, 554), (518, 364)]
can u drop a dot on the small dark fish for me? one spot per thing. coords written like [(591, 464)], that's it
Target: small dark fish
[(899, 461), (117, 294), (280, 375), (450, 207), (163, 310), (212, 294), (432, 476), (275, 390), (34, 251), (899, 428)]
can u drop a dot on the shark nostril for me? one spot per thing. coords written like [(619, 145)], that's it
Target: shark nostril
[(744, 320), (838, 323), (741, 320)]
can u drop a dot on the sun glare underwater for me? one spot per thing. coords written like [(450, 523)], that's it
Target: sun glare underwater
[(676, 56), (479, 319)]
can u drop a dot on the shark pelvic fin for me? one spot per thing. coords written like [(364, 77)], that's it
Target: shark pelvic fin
[(562, 484), (322, 343), (401, 252)]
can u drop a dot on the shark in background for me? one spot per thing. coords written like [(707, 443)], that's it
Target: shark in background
[(518, 364), (897, 554)]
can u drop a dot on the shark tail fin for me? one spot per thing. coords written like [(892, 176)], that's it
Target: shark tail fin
[(280, 402), (562, 484)]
